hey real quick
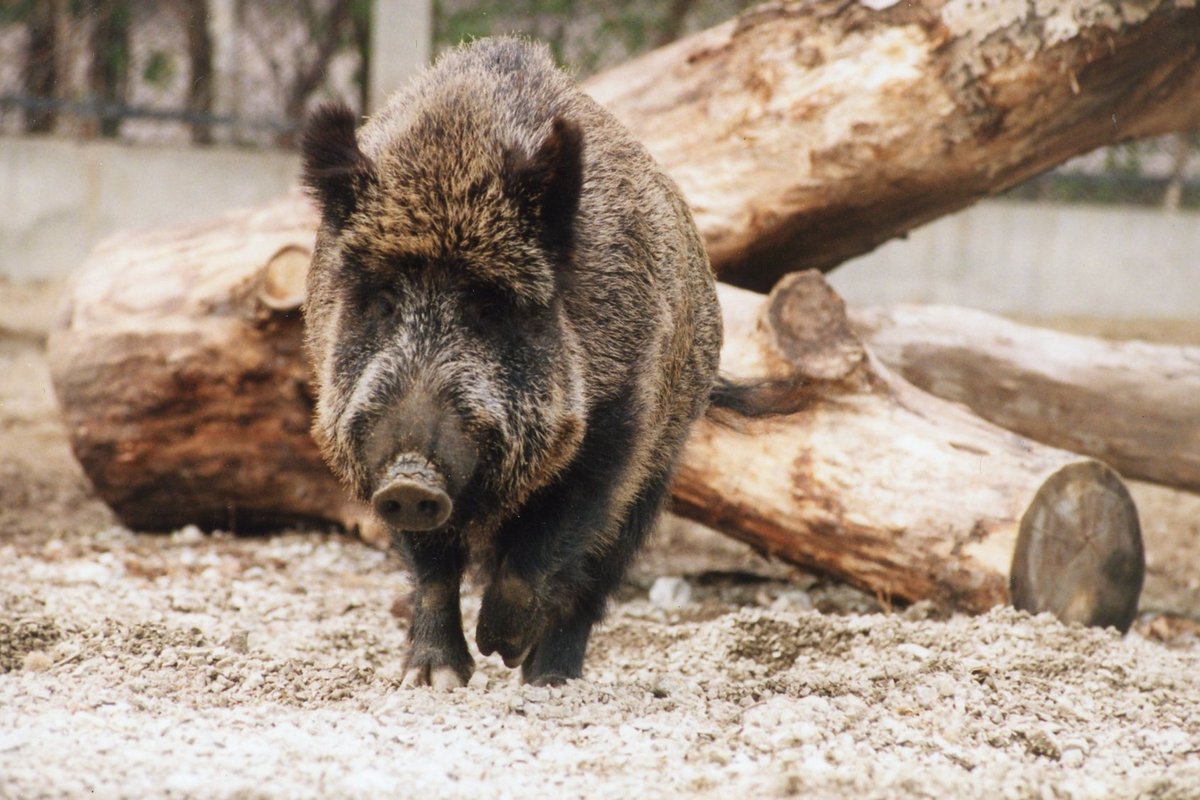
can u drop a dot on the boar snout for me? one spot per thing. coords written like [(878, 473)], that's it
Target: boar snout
[(419, 441), (414, 502)]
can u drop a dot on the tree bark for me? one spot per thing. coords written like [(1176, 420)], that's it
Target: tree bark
[(899, 492), (178, 367), (1134, 405), (177, 363), (804, 134)]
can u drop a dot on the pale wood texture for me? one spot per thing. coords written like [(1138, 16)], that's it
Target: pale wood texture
[(186, 399), (177, 364), (900, 492), (804, 134), (1134, 405)]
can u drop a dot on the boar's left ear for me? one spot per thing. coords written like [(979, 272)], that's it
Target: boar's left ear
[(549, 181), (335, 169)]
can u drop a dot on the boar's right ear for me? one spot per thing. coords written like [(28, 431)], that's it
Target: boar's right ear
[(549, 182), (335, 169)]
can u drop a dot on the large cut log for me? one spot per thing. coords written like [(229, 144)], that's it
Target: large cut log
[(1134, 405), (803, 134), (177, 364), (898, 491)]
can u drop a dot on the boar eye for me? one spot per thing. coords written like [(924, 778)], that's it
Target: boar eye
[(486, 309), (381, 305)]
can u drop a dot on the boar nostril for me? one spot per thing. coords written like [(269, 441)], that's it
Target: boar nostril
[(412, 505)]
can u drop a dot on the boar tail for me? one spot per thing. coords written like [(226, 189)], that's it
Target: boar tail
[(763, 397)]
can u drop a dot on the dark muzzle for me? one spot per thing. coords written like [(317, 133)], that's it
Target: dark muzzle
[(413, 496)]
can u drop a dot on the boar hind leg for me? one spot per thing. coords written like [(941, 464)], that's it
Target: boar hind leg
[(438, 654)]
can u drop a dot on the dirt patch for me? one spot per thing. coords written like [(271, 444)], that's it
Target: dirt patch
[(195, 665)]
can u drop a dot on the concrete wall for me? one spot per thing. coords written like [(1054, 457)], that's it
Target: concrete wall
[(1041, 260), (58, 198), (401, 44)]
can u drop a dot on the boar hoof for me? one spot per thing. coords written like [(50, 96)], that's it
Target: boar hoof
[(412, 505), (512, 651), (441, 678), (549, 679), (513, 662), (509, 620)]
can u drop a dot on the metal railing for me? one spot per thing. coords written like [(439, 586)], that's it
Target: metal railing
[(107, 111)]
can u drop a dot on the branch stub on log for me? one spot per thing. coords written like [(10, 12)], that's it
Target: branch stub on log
[(807, 325)]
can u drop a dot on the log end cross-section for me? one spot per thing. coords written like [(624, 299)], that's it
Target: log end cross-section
[(1079, 549), (177, 361)]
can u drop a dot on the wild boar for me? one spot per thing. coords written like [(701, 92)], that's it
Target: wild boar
[(512, 323)]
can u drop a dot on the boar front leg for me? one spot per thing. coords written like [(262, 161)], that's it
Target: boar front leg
[(558, 654), (438, 654), (564, 553)]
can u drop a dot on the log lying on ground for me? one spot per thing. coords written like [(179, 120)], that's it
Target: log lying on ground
[(177, 364), (803, 134), (900, 492), (1134, 405)]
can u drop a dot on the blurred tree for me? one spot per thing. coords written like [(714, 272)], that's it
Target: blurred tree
[(108, 70), (40, 73), (360, 24), (325, 30), (1182, 145), (200, 60), (673, 21)]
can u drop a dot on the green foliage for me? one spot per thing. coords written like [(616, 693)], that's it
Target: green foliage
[(360, 19), (1125, 159), (12, 11), (585, 35), (360, 11), (1100, 189), (459, 26), (159, 69)]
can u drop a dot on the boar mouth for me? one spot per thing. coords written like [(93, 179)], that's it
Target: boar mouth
[(412, 495)]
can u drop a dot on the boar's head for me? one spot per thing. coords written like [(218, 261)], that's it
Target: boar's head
[(447, 368)]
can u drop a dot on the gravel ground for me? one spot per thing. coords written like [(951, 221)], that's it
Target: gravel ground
[(194, 665), (208, 666)]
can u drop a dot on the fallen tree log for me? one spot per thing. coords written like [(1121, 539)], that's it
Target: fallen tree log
[(177, 364), (1134, 405), (900, 492), (803, 134)]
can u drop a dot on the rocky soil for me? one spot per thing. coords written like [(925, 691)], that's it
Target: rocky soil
[(204, 665)]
